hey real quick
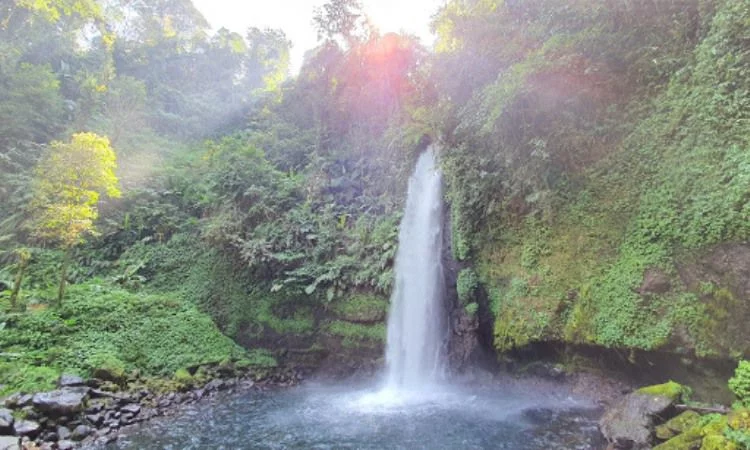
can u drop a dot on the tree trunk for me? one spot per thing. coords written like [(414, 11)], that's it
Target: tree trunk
[(63, 275), (23, 263)]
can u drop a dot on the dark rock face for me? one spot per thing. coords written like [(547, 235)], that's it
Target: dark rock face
[(463, 345), (628, 424), (655, 282), (720, 276), (6, 421), (61, 402)]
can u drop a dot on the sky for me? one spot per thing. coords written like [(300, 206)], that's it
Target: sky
[(295, 18)]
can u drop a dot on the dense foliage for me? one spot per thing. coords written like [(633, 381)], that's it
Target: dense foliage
[(595, 152), (594, 142)]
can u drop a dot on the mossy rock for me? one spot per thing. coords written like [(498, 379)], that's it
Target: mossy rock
[(110, 369), (715, 426), (677, 425), (354, 335), (672, 390), (717, 442), (689, 440), (739, 419), (362, 309), (183, 379)]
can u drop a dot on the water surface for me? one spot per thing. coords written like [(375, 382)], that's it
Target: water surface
[(320, 417)]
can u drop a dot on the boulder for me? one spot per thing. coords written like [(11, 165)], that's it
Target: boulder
[(81, 432), (9, 443), (628, 424), (67, 380), (60, 402), (63, 433), (6, 421), (131, 408), (26, 428)]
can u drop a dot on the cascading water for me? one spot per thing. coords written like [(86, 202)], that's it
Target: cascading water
[(414, 352)]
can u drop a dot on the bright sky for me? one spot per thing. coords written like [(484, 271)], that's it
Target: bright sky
[(295, 18)]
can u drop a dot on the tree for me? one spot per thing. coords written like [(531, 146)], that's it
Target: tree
[(68, 184), (23, 255), (341, 19)]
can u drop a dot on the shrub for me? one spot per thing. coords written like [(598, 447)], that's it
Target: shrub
[(739, 384)]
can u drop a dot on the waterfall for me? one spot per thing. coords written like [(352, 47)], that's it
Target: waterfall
[(414, 351)]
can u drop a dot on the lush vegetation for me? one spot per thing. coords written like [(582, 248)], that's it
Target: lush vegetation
[(596, 155), (595, 143)]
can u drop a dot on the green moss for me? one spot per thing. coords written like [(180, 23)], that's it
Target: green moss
[(355, 334), (466, 285), (739, 419), (670, 389), (361, 308), (672, 183), (689, 440), (183, 378), (717, 442), (258, 357), (677, 425)]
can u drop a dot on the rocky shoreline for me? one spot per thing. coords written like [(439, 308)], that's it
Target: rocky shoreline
[(82, 412)]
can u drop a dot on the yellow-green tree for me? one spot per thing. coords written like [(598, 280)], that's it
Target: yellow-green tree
[(69, 183)]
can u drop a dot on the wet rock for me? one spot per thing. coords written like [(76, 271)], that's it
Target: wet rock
[(26, 428), (67, 380), (214, 385), (63, 433), (50, 436), (95, 419), (655, 282), (9, 443), (81, 432), (545, 370), (132, 408), (628, 424), (6, 421), (60, 402), (65, 445), (94, 408), (106, 439)]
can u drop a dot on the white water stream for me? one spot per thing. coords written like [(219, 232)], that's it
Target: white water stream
[(416, 321)]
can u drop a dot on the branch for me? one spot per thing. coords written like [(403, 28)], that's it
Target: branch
[(703, 409)]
